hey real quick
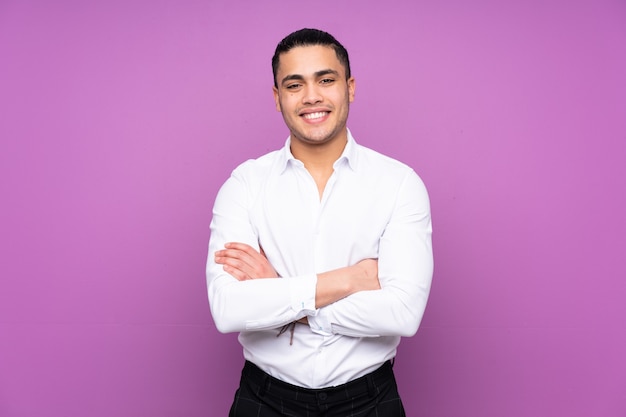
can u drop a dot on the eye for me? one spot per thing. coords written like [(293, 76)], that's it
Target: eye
[(293, 86), (327, 81)]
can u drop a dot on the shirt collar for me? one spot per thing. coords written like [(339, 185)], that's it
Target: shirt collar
[(349, 155)]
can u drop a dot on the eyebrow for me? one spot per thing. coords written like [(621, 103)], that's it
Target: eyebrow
[(317, 74)]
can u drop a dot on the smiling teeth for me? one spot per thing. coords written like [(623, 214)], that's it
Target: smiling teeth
[(315, 115)]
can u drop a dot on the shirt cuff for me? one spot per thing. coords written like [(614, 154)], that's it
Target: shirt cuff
[(321, 322), (302, 290)]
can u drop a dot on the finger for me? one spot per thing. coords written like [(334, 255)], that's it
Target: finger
[(235, 266), (236, 273), (244, 247), (247, 253), (246, 259), (237, 256)]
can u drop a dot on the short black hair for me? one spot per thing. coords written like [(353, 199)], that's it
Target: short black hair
[(310, 37)]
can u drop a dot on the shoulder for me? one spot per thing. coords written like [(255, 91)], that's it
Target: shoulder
[(259, 167), (247, 179), (371, 160), (387, 171)]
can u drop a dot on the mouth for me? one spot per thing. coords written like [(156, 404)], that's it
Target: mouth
[(315, 116)]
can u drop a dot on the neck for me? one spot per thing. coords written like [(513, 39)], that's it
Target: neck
[(319, 156), (319, 159)]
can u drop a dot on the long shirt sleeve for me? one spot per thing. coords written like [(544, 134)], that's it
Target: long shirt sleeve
[(253, 304), (405, 268)]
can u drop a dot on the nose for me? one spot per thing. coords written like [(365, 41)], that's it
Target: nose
[(312, 95)]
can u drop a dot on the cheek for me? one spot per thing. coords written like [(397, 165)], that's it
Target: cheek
[(343, 100), (289, 103)]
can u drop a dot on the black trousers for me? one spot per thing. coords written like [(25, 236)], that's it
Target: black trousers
[(261, 395)]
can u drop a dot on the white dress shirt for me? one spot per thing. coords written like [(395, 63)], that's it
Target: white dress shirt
[(372, 207)]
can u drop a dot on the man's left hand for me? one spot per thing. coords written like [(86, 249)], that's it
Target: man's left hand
[(243, 262)]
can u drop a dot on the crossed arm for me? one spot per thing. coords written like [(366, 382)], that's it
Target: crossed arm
[(243, 262), (385, 296)]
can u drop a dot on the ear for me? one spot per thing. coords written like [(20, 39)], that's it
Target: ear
[(351, 88), (276, 99)]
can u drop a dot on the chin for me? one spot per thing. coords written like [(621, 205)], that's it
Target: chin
[(320, 137), (317, 140)]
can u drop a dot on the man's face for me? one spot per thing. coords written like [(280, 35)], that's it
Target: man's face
[(313, 94)]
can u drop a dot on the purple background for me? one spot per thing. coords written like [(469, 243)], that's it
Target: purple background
[(119, 120)]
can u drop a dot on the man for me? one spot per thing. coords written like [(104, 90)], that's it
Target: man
[(320, 253)]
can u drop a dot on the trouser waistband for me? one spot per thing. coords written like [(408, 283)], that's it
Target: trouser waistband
[(362, 385)]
